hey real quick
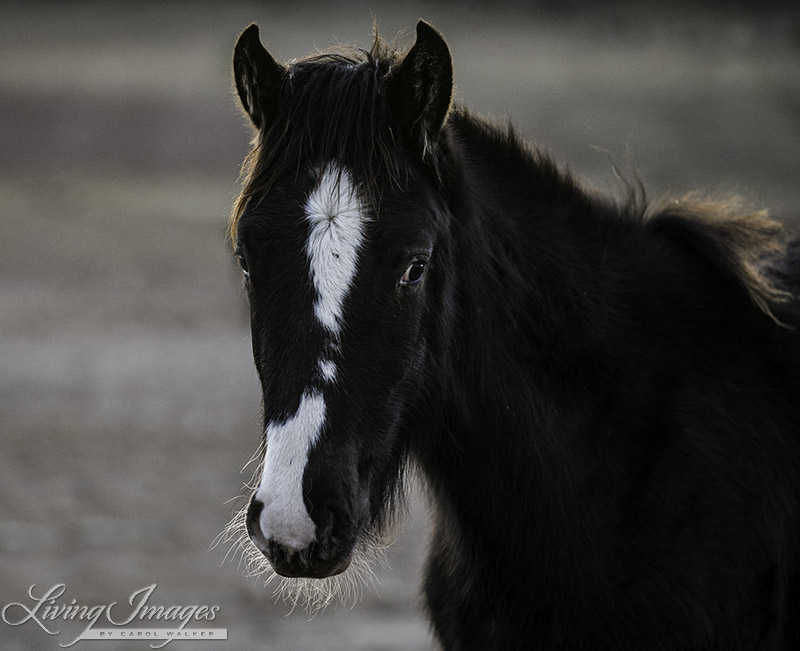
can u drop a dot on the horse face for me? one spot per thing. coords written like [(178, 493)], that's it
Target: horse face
[(341, 282), (339, 300)]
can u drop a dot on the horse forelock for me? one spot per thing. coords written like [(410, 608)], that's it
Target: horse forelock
[(332, 110)]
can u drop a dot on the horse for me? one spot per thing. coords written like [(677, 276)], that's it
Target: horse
[(599, 393)]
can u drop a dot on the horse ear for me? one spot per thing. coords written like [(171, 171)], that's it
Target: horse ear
[(421, 89), (258, 78)]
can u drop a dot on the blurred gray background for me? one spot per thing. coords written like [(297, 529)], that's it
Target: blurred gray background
[(128, 401)]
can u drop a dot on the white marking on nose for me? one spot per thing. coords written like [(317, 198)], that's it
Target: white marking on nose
[(336, 218), (284, 517)]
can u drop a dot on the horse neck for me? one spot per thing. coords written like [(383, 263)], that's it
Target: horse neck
[(527, 300), (529, 249)]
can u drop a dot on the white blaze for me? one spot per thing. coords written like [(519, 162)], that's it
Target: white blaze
[(336, 220)]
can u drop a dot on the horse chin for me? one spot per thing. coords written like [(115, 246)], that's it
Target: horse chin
[(300, 569)]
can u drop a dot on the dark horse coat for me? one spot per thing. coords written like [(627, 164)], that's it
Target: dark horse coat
[(603, 397)]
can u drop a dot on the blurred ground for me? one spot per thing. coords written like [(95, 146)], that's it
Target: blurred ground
[(128, 402)]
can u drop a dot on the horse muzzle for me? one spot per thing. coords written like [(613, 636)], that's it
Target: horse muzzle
[(328, 553)]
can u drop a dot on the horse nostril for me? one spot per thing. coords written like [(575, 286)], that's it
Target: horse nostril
[(330, 524), (253, 524)]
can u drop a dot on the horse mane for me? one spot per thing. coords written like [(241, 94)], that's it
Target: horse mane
[(743, 244), (740, 242), (330, 108)]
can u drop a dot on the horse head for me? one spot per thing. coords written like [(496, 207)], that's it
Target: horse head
[(341, 236)]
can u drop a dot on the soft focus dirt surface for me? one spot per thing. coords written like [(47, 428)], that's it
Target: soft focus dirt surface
[(128, 401)]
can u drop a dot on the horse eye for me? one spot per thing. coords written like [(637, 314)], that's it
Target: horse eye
[(414, 273), (243, 264)]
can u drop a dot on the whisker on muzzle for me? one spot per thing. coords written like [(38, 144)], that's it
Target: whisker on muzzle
[(310, 595)]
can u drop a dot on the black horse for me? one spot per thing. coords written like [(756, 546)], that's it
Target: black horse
[(602, 396)]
